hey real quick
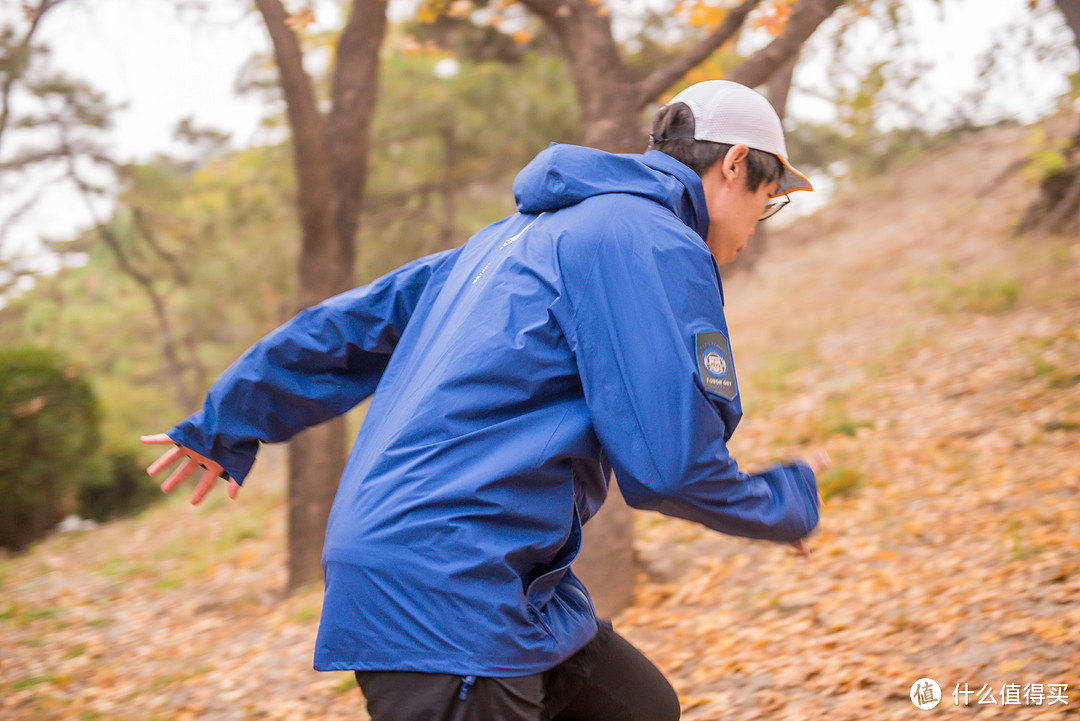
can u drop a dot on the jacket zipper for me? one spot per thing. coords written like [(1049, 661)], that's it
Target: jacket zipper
[(585, 597)]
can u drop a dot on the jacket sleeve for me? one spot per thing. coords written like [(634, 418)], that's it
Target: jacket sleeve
[(636, 309), (318, 365)]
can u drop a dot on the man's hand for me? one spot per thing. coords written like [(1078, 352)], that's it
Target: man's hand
[(211, 471), (818, 460)]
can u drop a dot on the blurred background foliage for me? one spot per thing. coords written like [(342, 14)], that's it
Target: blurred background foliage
[(444, 157), (196, 258), (49, 423)]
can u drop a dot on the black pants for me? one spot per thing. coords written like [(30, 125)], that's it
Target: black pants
[(608, 680)]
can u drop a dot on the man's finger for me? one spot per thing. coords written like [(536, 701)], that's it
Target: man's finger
[(820, 460), (234, 489), (179, 475), (802, 548), (156, 439), (165, 460), (205, 484)]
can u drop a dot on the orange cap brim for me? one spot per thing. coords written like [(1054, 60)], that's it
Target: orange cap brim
[(792, 180)]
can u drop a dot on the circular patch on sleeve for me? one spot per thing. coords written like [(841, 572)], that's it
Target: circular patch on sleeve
[(715, 365)]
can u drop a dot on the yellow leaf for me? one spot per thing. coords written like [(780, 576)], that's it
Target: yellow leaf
[(704, 16), (460, 9), (775, 19), (410, 46), (300, 20)]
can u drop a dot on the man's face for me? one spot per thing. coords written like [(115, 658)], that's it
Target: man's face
[(734, 209)]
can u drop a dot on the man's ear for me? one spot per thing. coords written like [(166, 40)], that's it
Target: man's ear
[(731, 163)]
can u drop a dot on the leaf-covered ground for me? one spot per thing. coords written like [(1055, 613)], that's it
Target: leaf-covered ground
[(935, 355)]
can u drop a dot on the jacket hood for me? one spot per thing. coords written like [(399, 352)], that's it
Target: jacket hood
[(563, 175)]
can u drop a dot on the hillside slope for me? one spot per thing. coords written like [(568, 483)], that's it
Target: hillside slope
[(903, 328)]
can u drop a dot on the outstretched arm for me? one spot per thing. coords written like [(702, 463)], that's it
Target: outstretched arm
[(317, 366), (647, 325)]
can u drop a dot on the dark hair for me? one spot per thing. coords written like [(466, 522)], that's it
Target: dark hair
[(673, 134)]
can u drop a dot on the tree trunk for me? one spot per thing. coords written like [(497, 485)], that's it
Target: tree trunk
[(610, 117), (314, 463), (353, 93), (1071, 10), (317, 456), (778, 87), (611, 120)]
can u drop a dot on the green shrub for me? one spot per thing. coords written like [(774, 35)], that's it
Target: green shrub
[(115, 486), (48, 435)]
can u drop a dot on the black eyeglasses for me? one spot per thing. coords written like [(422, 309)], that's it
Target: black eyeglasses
[(773, 207)]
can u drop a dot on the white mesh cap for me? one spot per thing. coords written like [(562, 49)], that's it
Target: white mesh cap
[(727, 112)]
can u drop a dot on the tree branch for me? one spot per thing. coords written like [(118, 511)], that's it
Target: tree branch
[(146, 282), (147, 232), (650, 88), (11, 219), (27, 159), (806, 17), (546, 9), (348, 128), (34, 15)]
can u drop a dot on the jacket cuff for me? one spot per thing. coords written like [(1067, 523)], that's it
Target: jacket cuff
[(237, 462)]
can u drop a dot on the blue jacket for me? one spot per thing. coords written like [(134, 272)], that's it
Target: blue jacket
[(582, 334)]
